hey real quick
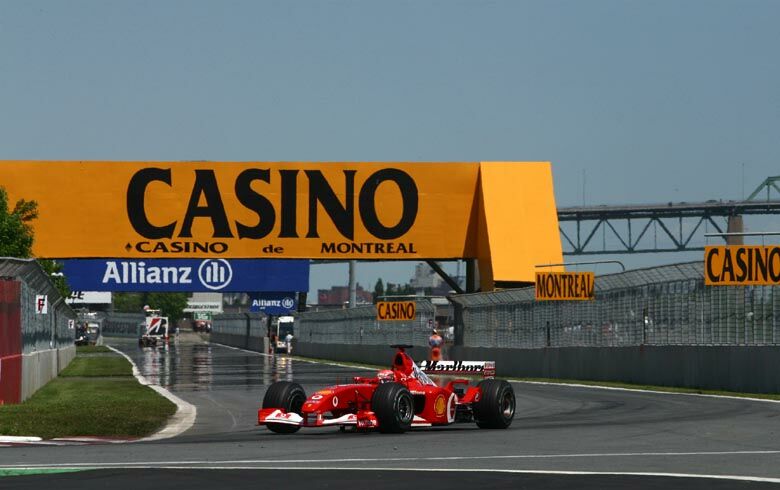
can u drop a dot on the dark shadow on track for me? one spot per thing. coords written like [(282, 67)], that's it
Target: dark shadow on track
[(189, 479)]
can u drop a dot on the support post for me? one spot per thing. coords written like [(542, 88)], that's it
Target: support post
[(352, 286)]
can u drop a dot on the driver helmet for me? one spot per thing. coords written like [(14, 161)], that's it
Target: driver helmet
[(385, 376)]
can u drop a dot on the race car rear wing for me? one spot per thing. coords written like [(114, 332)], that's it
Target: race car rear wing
[(486, 369)]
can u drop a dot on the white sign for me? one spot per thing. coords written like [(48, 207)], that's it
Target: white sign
[(41, 304), (203, 306), (89, 297)]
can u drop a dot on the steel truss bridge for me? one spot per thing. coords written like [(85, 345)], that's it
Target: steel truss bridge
[(670, 227)]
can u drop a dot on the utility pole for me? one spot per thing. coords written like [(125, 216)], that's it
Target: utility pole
[(352, 287)]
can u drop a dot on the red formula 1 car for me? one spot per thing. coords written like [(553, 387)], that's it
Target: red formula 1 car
[(395, 400)]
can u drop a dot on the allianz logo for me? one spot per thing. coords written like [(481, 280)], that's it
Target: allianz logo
[(213, 274)]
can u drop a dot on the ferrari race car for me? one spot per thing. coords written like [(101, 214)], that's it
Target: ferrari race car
[(395, 400)]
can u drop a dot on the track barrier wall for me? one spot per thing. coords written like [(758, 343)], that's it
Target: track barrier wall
[(123, 324), (657, 326), (243, 330), (36, 345), (10, 341), (746, 369)]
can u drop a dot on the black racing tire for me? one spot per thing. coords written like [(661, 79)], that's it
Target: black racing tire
[(288, 397), (393, 406), (495, 408)]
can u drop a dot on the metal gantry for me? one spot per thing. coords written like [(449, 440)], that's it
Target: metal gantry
[(648, 228)]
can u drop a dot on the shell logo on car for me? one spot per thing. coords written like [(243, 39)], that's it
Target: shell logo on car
[(440, 405)]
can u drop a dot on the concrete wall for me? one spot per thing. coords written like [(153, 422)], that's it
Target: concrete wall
[(257, 344), (38, 368), (733, 368), (66, 354)]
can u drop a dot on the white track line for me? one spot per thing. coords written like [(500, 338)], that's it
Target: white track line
[(547, 383), (400, 459), (618, 388), (174, 466), (242, 350), (294, 358), (185, 414), (15, 439)]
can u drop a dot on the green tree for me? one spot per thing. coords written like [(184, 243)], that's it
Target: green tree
[(16, 235), (127, 302), (54, 271), (171, 304), (16, 238), (379, 289)]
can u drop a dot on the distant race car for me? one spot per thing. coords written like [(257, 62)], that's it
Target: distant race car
[(395, 400)]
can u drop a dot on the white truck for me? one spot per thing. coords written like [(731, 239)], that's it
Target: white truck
[(284, 325), (156, 329)]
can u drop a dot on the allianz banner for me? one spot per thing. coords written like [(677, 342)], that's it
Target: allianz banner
[(169, 275), (502, 213), (273, 303), (742, 265)]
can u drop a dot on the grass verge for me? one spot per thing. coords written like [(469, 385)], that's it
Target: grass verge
[(69, 407), (92, 349), (98, 366)]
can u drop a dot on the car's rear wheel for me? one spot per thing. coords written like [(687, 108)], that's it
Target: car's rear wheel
[(495, 408), (288, 397), (394, 408)]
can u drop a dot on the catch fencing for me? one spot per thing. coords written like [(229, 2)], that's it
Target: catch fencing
[(38, 326), (360, 326), (668, 305)]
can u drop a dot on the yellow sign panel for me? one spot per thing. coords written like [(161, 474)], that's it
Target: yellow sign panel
[(741, 265), (565, 286), (400, 311), (502, 213)]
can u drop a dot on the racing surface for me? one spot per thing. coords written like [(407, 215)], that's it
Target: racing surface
[(557, 429)]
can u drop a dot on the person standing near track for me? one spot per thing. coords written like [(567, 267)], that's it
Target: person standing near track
[(435, 342), (288, 341)]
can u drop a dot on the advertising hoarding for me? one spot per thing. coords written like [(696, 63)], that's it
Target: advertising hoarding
[(195, 275)]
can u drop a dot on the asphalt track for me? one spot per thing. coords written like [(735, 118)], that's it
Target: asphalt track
[(562, 437)]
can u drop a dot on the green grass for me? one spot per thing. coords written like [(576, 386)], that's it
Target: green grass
[(98, 366), (39, 471), (92, 349), (71, 405), (77, 407)]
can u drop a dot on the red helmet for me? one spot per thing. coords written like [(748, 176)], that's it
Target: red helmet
[(385, 376)]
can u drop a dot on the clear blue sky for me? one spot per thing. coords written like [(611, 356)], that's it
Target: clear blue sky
[(650, 101)]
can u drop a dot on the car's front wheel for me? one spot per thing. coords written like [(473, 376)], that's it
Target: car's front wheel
[(288, 397), (495, 408), (394, 407)]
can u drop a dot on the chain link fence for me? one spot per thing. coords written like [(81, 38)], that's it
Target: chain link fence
[(666, 305), (123, 324), (360, 326), (39, 331)]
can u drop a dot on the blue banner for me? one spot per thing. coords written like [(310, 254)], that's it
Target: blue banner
[(196, 275), (273, 303)]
